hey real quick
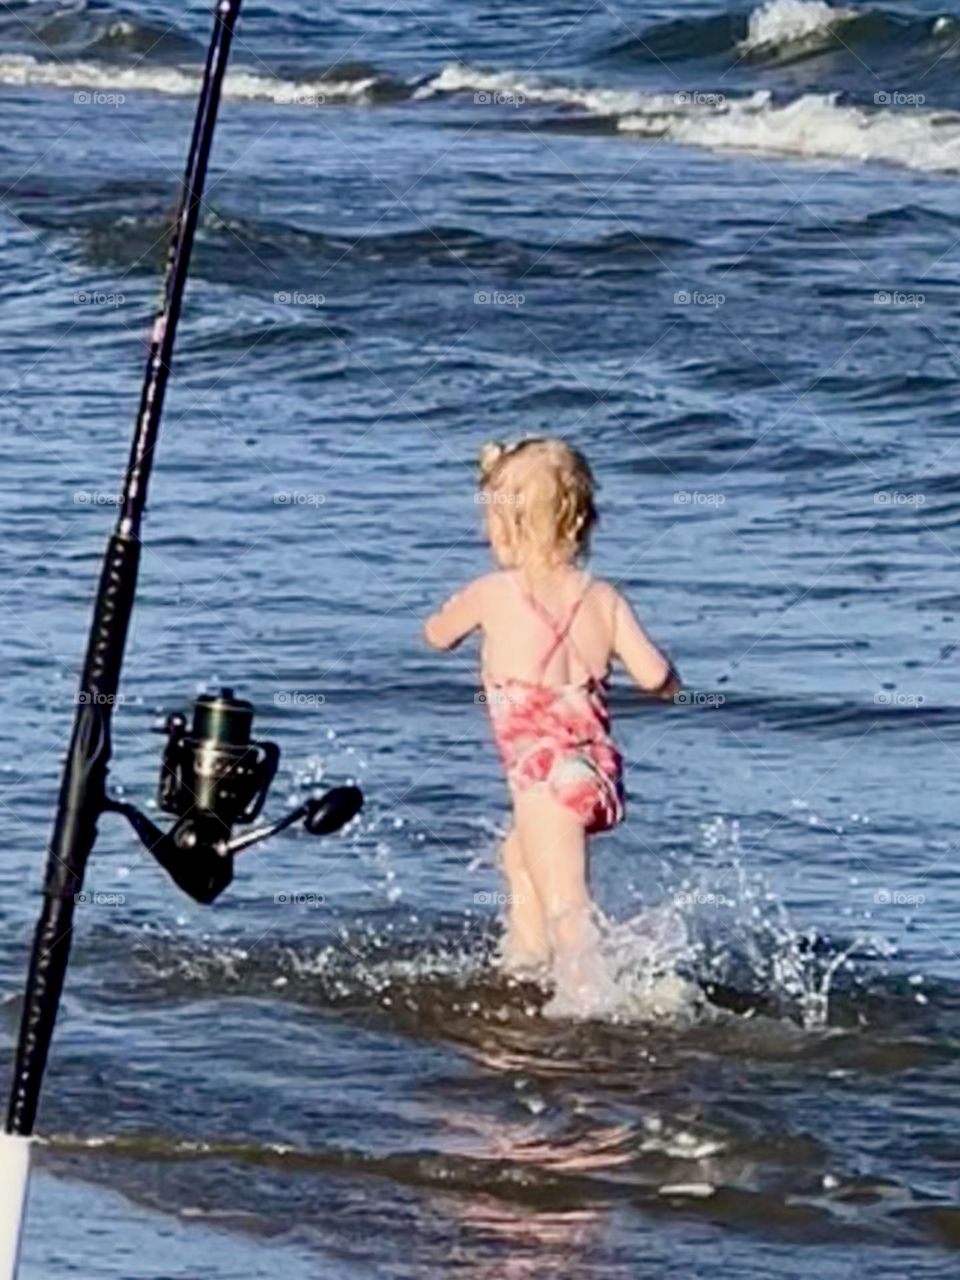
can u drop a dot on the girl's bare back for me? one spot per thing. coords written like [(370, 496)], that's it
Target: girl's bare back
[(603, 628)]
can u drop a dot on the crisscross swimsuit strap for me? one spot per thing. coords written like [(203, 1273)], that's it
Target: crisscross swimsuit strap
[(560, 629)]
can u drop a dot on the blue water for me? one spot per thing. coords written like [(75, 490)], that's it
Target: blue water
[(717, 249)]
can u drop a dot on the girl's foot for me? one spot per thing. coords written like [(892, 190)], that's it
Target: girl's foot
[(522, 964)]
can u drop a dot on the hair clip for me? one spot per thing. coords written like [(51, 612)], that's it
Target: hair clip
[(490, 455)]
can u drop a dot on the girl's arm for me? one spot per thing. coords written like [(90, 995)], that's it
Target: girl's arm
[(456, 619), (650, 670)]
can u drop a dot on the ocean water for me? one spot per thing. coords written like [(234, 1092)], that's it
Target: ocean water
[(718, 248)]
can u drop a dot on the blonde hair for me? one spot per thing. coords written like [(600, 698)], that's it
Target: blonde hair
[(541, 494)]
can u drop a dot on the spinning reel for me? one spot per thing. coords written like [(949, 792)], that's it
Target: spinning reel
[(213, 778)]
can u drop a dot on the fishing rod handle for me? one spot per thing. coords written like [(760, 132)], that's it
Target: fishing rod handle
[(14, 1181)]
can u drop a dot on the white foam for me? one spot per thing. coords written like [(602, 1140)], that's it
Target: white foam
[(782, 23), (460, 78), (696, 1190), (244, 85), (816, 126), (813, 126)]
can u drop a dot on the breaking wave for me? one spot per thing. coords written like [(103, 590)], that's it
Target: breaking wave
[(814, 126)]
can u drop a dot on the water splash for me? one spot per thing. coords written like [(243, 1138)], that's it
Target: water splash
[(721, 942), (636, 975), (723, 936), (744, 935)]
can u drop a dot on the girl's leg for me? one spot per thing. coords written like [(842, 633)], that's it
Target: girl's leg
[(554, 850), (526, 945)]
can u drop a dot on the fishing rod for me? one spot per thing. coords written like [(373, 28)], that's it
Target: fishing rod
[(213, 775)]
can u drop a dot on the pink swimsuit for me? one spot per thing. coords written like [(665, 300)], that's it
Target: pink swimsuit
[(559, 735)]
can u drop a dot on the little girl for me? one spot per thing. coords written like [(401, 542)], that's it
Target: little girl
[(549, 632)]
